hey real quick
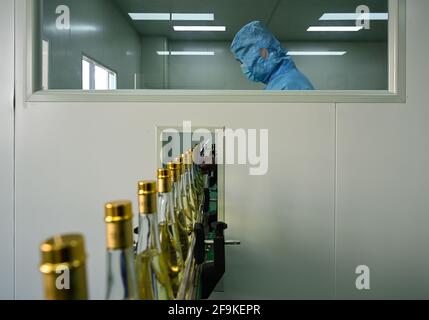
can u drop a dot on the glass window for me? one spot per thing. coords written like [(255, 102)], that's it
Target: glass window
[(45, 65), (97, 77), (86, 75), (217, 44)]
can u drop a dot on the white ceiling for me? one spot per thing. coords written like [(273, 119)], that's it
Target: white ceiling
[(288, 19)]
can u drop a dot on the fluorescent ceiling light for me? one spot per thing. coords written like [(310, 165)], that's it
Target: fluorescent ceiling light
[(186, 53), (150, 16), (199, 28), (354, 16), (317, 53), (192, 16), (335, 29), (192, 53)]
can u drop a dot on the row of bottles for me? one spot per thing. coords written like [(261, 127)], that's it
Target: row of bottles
[(151, 268)]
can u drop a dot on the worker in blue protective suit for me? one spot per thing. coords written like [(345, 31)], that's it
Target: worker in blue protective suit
[(264, 60)]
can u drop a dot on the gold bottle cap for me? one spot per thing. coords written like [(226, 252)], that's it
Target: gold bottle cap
[(118, 217), (64, 252), (147, 197), (117, 211), (175, 170), (164, 180), (147, 187), (62, 249)]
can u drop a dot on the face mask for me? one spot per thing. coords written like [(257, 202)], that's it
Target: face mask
[(247, 73)]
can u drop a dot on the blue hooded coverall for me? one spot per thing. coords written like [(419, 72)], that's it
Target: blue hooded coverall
[(278, 71)]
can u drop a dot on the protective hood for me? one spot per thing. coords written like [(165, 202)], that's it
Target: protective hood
[(246, 48)]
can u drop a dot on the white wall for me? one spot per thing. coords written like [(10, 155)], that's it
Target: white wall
[(383, 182), (98, 30), (67, 170), (6, 151), (347, 185)]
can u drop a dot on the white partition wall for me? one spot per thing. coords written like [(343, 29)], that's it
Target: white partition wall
[(383, 183), (6, 150), (73, 158)]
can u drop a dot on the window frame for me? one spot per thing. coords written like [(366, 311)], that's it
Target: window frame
[(396, 92)]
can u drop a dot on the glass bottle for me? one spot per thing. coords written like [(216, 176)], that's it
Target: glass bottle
[(192, 168), (63, 268), (196, 158), (152, 269), (121, 276), (190, 188), (187, 207), (168, 229), (178, 209)]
